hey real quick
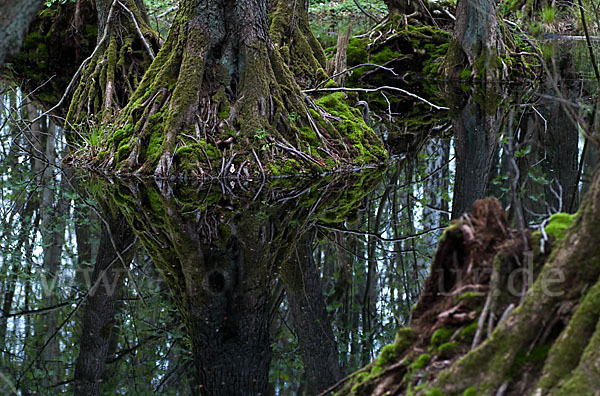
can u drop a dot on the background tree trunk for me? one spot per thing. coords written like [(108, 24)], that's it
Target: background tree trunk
[(477, 41), (15, 17)]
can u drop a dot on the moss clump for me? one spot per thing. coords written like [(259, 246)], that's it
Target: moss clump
[(356, 52), (365, 146), (441, 336), (558, 224), (434, 392), (187, 158), (288, 167), (447, 350), (121, 134), (122, 152), (404, 337), (420, 362), (470, 392), (468, 332)]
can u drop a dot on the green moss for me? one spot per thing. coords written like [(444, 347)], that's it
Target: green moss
[(366, 146), (466, 73), (470, 392), (188, 158), (558, 224), (404, 338), (434, 392), (535, 358), (383, 56), (420, 362), (468, 332), (360, 378), (441, 336), (154, 145), (122, 152), (447, 350), (565, 354), (356, 52), (121, 134)]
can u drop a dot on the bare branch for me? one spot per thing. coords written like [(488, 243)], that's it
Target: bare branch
[(403, 91)]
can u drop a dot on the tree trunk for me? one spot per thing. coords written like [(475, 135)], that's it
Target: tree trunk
[(220, 90), (15, 17), (477, 42), (102, 301), (126, 47), (476, 138)]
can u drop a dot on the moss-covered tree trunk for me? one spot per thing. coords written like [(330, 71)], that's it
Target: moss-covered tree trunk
[(542, 342), (220, 98), (477, 42), (560, 311), (125, 48)]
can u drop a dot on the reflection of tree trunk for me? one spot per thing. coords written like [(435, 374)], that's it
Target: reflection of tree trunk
[(475, 141), (311, 321), (54, 211), (98, 320)]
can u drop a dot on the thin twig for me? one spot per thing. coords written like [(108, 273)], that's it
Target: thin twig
[(365, 12)]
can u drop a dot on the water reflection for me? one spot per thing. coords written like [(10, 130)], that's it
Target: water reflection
[(138, 287), (223, 254)]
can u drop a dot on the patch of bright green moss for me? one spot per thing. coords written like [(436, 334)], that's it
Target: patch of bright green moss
[(356, 52), (420, 362), (558, 224), (434, 392), (468, 332), (441, 336), (353, 129), (470, 392)]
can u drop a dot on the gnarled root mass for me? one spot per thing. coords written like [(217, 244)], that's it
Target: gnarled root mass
[(219, 100), (476, 331), (125, 48)]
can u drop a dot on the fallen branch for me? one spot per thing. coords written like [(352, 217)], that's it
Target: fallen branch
[(405, 92), (355, 67)]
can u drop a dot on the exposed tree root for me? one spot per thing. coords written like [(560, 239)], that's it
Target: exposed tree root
[(123, 53), (218, 91)]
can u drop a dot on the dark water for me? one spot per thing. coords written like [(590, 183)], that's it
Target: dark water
[(285, 286)]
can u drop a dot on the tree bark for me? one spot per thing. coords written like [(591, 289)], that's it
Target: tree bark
[(477, 41), (476, 138), (220, 87), (15, 17), (126, 45)]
